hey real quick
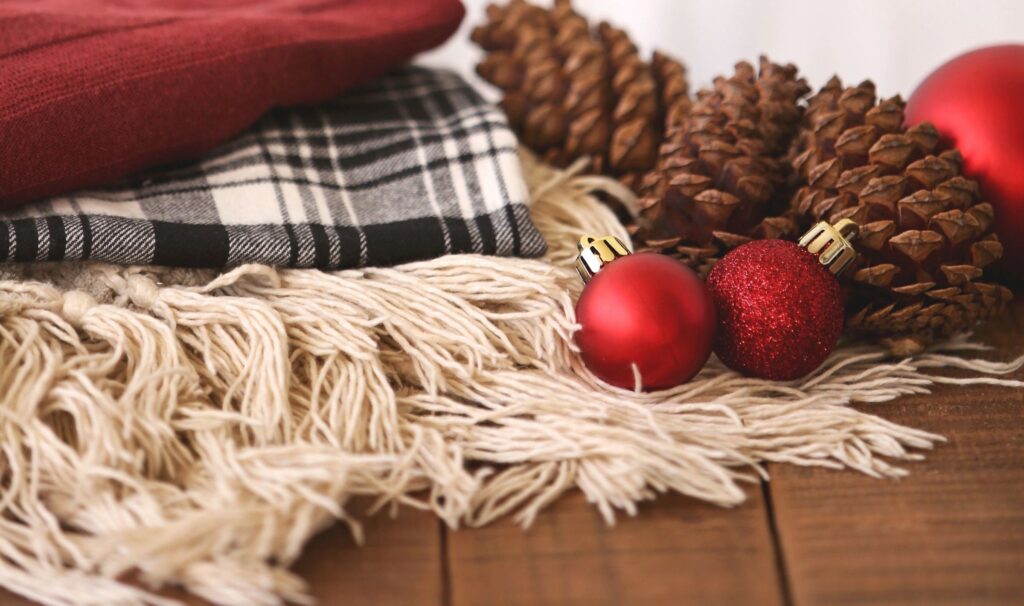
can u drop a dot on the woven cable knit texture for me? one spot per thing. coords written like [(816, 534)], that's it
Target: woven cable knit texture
[(92, 90), (410, 166)]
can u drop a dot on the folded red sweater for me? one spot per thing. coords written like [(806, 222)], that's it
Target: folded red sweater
[(91, 90)]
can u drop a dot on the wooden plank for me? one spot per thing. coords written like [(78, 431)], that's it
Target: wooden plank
[(950, 533), (400, 564), (678, 551)]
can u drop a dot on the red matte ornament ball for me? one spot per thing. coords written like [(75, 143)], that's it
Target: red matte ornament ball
[(976, 101), (650, 311), (780, 312)]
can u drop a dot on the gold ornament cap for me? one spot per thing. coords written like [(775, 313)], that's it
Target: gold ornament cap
[(831, 244), (595, 253)]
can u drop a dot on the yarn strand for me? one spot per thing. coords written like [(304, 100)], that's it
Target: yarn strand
[(190, 428)]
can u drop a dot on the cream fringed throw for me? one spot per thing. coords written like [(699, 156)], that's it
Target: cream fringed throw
[(198, 429)]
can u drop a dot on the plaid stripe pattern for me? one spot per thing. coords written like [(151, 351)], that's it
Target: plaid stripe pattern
[(412, 166)]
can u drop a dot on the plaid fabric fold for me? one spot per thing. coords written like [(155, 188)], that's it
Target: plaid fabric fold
[(412, 166)]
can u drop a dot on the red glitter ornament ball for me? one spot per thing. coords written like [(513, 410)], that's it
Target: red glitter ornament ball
[(780, 312), (648, 310), (976, 101)]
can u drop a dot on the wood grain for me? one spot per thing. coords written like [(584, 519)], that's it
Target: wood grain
[(950, 533), (678, 551), (400, 563)]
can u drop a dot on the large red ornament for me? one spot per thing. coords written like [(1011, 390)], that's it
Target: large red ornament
[(976, 101), (645, 311), (780, 308)]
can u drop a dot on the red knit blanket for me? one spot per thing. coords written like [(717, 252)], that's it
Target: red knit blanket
[(91, 90)]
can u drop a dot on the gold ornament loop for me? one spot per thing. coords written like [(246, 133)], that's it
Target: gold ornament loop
[(595, 253), (831, 244)]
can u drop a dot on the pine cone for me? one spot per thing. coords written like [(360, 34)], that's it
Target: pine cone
[(720, 177), (925, 235), (571, 92)]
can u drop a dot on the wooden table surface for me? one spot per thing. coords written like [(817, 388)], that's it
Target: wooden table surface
[(950, 533)]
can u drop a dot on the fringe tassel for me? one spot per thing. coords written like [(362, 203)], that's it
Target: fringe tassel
[(183, 427)]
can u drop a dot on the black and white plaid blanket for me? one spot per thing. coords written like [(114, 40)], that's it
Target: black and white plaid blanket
[(412, 166)]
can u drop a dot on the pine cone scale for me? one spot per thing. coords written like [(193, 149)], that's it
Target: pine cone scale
[(573, 90), (753, 156), (720, 177), (925, 236)]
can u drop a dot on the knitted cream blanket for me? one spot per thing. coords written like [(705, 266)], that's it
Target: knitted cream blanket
[(197, 428)]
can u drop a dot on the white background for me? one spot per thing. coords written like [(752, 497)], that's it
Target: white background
[(893, 42)]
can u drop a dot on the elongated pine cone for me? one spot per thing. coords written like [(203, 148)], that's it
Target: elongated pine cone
[(721, 175), (925, 235), (572, 91)]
